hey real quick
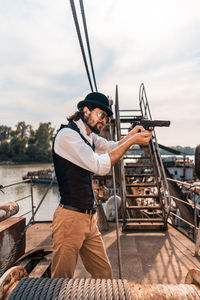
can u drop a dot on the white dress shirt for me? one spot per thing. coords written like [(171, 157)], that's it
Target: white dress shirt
[(69, 145)]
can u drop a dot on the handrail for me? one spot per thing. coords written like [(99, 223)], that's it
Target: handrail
[(12, 254), (14, 183), (25, 197), (146, 113), (193, 192)]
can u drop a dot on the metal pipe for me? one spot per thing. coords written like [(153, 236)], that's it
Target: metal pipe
[(197, 242), (22, 198), (117, 226), (32, 203), (15, 183), (171, 213), (7, 210), (187, 203)]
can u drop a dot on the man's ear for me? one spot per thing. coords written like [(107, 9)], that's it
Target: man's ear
[(86, 110)]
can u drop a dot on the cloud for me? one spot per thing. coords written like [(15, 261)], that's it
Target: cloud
[(42, 75)]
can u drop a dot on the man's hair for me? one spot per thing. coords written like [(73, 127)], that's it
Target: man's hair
[(79, 114)]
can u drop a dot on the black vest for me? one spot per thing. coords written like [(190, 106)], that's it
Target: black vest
[(75, 183)]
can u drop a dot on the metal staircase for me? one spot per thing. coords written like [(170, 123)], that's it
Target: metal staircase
[(143, 184)]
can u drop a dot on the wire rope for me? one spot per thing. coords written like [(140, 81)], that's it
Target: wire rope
[(87, 40), (80, 41)]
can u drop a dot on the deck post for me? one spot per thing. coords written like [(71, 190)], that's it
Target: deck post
[(32, 203), (197, 241)]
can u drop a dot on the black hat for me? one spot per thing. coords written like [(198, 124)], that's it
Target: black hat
[(96, 99)]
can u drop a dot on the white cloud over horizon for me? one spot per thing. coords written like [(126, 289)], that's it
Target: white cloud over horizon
[(42, 76)]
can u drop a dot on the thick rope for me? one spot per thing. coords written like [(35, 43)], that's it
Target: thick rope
[(57, 288), (39, 289), (65, 289), (51, 289), (19, 288)]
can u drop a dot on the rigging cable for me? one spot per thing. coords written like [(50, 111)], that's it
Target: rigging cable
[(87, 41), (81, 42)]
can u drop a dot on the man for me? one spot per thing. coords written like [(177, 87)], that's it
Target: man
[(75, 159)]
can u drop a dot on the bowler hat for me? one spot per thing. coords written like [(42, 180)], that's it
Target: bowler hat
[(96, 99)]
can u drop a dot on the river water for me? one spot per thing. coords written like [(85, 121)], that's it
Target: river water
[(13, 173)]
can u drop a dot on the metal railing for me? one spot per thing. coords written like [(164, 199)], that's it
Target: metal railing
[(24, 197), (158, 164), (190, 228)]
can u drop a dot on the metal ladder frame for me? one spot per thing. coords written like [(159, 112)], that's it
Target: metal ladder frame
[(155, 154)]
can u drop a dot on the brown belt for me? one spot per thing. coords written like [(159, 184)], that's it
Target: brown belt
[(83, 211)]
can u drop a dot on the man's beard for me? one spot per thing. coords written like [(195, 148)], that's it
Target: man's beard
[(94, 128)]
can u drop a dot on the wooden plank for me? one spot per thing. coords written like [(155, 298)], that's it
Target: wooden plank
[(26, 263), (41, 267)]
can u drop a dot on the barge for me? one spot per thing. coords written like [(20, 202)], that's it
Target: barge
[(151, 253)]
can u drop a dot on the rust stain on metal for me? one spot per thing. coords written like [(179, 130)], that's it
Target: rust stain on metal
[(10, 231), (10, 279), (9, 209), (193, 276), (165, 291)]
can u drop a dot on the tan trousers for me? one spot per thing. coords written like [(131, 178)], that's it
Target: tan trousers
[(77, 233)]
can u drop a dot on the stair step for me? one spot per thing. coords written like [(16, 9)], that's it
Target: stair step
[(145, 220), (142, 196), (143, 207), (139, 175), (153, 213), (137, 184), (144, 148), (137, 226), (138, 166), (136, 157)]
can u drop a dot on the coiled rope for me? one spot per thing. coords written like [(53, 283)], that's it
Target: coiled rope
[(79, 289)]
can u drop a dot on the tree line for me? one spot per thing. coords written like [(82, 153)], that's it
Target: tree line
[(24, 144)]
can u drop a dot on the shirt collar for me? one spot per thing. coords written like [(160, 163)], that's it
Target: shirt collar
[(82, 128)]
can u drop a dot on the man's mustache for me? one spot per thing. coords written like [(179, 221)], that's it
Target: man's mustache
[(100, 123)]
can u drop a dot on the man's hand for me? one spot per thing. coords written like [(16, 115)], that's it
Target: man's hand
[(136, 129), (137, 135), (141, 137)]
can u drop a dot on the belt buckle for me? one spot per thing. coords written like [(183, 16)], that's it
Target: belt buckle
[(62, 205)]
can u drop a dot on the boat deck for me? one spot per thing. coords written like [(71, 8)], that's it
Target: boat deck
[(153, 257)]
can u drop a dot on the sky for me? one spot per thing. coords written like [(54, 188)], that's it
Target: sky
[(157, 42)]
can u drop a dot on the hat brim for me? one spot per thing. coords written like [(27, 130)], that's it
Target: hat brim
[(95, 104)]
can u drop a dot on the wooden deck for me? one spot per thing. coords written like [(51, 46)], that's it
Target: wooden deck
[(158, 257)]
